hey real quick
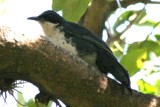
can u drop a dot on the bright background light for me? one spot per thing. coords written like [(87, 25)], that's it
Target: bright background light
[(14, 13)]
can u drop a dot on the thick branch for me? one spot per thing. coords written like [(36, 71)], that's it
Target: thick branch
[(95, 16), (58, 73)]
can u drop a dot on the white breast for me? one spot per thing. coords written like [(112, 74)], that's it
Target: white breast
[(57, 37)]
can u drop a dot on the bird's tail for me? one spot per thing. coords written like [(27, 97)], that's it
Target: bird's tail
[(106, 62), (121, 74)]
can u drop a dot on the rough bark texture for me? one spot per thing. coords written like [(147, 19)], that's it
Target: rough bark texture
[(56, 72), (95, 16)]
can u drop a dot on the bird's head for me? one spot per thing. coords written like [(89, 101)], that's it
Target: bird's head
[(50, 21), (48, 16)]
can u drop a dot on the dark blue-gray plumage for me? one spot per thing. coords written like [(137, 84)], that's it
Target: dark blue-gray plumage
[(83, 43)]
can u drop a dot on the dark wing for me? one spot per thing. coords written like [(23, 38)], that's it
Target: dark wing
[(90, 43), (79, 32)]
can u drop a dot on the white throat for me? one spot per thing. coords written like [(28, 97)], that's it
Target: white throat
[(54, 33)]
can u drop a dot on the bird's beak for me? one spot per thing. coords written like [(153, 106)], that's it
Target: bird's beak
[(34, 18)]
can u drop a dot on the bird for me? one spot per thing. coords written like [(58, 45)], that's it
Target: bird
[(83, 43)]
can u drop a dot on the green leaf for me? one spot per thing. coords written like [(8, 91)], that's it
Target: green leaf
[(20, 100), (152, 46), (123, 17), (146, 87), (129, 15), (57, 5), (31, 103), (137, 54), (49, 104), (140, 16), (134, 59), (147, 23), (72, 9), (157, 36), (158, 87)]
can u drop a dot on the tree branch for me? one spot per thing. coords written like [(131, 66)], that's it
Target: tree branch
[(62, 75), (100, 10)]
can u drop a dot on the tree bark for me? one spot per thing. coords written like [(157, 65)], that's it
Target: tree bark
[(62, 75)]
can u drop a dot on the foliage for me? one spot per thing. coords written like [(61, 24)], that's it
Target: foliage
[(137, 52), (148, 88), (140, 52), (72, 9), (30, 103)]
